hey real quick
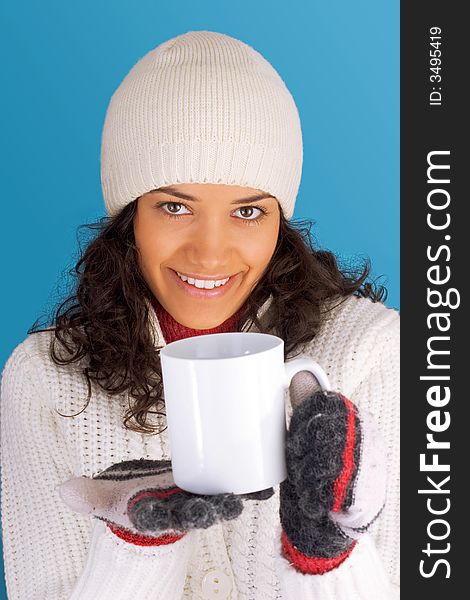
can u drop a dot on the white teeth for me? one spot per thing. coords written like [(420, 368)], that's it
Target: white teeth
[(203, 283)]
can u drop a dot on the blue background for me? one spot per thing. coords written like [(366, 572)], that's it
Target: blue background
[(61, 62)]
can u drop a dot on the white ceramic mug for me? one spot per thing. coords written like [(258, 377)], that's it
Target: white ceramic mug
[(225, 405)]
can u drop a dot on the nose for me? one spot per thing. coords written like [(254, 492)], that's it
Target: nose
[(211, 247)]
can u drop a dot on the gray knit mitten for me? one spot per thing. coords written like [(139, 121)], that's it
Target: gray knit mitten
[(139, 501), (336, 481)]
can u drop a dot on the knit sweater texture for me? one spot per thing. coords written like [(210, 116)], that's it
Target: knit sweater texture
[(54, 553)]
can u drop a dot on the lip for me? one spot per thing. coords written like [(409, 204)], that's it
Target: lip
[(205, 277), (203, 293)]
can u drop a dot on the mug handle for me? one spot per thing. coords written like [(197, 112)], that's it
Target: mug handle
[(296, 365)]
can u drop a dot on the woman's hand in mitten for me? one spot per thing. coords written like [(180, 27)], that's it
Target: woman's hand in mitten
[(141, 504), (336, 481)]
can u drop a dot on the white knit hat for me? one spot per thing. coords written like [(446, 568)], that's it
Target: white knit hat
[(202, 107)]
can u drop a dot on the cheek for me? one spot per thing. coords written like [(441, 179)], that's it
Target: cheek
[(258, 249), (154, 244)]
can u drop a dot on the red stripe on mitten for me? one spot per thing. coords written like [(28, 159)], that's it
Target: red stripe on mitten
[(342, 482), (313, 565), (142, 540)]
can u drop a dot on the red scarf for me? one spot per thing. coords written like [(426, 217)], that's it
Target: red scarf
[(173, 330)]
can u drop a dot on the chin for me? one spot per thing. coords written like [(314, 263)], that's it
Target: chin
[(205, 319), (205, 325)]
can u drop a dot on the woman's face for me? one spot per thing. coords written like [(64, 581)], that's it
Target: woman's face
[(205, 231)]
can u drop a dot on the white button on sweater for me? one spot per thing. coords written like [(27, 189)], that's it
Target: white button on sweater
[(53, 553)]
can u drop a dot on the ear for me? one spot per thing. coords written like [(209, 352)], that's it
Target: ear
[(85, 495)]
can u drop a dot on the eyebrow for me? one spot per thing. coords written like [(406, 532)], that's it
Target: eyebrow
[(173, 192)]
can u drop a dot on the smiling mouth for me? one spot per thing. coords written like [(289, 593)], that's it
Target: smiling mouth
[(203, 284)]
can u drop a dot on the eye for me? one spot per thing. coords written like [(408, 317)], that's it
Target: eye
[(172, 213), (250, 209)]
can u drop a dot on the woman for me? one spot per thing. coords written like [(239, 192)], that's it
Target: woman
[(201, 162)]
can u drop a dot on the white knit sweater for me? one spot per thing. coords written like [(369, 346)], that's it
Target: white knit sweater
[(53, 553)]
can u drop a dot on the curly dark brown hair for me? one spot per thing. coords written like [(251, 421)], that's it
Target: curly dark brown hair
[(105, 319)]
